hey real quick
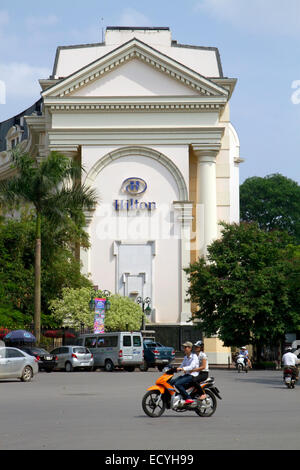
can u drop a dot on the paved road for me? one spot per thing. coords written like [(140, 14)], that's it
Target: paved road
[(102, 410)]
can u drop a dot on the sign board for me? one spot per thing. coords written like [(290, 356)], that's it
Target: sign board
[(99, 315)]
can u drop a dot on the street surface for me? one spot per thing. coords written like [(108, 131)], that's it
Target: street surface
[(100, 410)]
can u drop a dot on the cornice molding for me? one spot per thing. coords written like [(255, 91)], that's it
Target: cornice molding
[(136, 49), (207, 149), (191, 107)]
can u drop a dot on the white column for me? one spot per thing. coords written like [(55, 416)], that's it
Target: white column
[(206, 199), (185, 209)]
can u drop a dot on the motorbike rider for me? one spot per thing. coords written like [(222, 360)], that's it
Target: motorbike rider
[(290, 360), (202, 368), (189, 363), (244, 352)]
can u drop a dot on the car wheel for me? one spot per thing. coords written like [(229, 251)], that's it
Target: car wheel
[(144, 367), (27, 374), (68, 367), (108, 366)]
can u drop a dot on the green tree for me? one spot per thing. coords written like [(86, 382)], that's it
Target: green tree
[(52, 187), (273, 202), (245, 289), (73, 309), (59, 268), (124, 315), (12, 318)]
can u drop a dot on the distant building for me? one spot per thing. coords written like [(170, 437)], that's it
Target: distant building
[(149, 120)]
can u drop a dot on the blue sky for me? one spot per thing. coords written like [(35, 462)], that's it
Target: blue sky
[(258, 41)]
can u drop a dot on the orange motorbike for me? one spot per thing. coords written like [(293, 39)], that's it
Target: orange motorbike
[(164, 396)]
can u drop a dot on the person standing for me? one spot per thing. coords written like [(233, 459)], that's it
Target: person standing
[(188, 365)]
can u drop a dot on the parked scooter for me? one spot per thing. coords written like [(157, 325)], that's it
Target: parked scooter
[(289, 377), (240, 364), (164, 396)]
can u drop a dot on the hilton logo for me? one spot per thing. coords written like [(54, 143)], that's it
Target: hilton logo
[(134, 187)]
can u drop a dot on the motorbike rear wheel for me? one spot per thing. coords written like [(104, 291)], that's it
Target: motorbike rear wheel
[(208, 406), (153, 404)]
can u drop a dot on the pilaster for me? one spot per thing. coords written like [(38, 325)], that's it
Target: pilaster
[(184, 209)]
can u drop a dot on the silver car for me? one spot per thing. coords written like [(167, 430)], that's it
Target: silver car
[(71, 357), (16, 364)]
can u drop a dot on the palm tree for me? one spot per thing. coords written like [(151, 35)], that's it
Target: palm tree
[(54, 189)]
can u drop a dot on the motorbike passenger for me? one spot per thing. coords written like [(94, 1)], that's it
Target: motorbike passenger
[(189, 363), (290, 360), (202, 368)]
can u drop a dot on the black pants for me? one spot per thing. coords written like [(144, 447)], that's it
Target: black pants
[(200, 378)]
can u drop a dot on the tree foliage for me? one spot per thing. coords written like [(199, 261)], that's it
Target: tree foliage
[(124, 315), (72, 310), (273, 202), (59, 269), (13, 319), (53, 188), (248, 289)]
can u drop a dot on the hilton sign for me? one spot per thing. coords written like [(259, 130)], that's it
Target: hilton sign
[(134, 187)]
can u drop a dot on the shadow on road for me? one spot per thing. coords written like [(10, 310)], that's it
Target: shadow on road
[(272, 382)]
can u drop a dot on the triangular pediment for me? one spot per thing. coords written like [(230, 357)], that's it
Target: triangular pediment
[(135, 78), (135, 69)]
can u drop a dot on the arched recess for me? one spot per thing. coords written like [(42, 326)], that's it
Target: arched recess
[(145, 152)]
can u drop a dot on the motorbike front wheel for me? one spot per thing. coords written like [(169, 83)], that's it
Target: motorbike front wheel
[(153, 404), (207, 407)]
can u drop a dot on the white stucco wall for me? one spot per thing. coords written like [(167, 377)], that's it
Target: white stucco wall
[(127, 120), (160, 226), (135, 78), (202, 60)]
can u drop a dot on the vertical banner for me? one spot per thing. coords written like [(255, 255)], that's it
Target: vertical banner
[(99, 315)]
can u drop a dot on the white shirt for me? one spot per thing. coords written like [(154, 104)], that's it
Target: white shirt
[(289, 359), (202, 356), (190, 363)]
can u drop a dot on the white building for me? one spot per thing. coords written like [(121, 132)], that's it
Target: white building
[(149, 120)]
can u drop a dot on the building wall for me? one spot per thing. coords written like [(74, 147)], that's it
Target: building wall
[(140, 105)]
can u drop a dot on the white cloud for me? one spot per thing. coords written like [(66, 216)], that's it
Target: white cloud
[(21, 80), (132, 17), (258, 16)]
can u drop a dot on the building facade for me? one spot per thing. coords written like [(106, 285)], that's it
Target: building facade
[(149, 120)]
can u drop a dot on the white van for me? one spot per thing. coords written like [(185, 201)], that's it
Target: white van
[(120, 349)]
